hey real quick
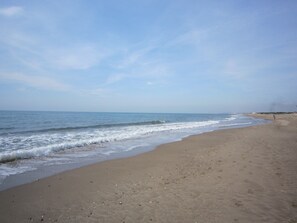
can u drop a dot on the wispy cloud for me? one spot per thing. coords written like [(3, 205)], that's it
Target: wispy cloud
[(152, 72), (191, 48), (19, 40), (140, 61), (45, 50), (135, 56), (80, 58), (99, 92), (11, 11), (233, 69), (116, 77), (190, 37), (40, 82)]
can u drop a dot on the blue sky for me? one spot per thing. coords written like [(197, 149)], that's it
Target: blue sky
[(148, 56)]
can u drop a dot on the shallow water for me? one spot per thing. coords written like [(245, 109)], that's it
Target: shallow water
[(39, 144)]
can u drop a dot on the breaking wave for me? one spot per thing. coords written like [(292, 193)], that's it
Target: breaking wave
[(46, 143)]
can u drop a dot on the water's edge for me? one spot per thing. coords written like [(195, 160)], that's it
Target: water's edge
[(47, 171)]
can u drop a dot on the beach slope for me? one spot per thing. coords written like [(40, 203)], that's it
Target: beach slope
[(235, 175)]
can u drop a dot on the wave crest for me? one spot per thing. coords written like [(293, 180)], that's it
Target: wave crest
[(45, 144), (73, 128)]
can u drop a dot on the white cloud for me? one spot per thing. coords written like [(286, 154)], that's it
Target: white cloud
[(80, 58), (135, 57), (30, 47), (99, 92), (35, 81), (95, 93), (232, 69), (191, 37), (11, 11), (20, 40), (115, 78), (152, 73)]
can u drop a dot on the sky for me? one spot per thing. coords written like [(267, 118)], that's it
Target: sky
[(148, 56)]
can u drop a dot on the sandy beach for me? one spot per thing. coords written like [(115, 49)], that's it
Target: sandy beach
[(235, 175)]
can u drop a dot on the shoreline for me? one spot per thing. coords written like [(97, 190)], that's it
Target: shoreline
[(30, 171), (220, 176)]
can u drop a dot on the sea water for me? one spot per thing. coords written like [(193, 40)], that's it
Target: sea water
[(44, 143)]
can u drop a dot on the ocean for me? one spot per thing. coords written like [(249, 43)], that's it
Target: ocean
[(38, 144)]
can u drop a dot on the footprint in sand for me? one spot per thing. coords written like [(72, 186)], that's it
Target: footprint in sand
[(238, 203), (250, 191)]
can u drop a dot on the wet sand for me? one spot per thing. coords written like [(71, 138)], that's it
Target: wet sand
[(236, 175)]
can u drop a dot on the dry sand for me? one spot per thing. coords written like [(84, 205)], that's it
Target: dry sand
[(237, 175)]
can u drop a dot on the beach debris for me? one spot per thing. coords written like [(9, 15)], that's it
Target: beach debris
[(120, 202)]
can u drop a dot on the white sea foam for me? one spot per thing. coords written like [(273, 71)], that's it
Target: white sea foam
[(65, 143), (7, 170), (236, 124), (38, 145), (233, 117)]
